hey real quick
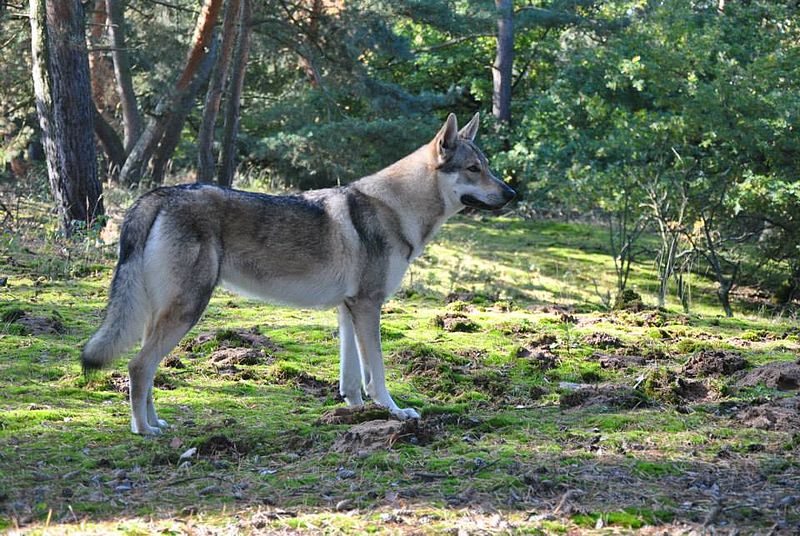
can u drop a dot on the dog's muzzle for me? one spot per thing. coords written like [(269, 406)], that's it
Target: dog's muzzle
[(507, 194)]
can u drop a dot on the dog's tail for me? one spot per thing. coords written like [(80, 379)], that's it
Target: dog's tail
[(128, 304)]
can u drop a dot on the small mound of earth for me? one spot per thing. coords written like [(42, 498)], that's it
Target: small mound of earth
[(354, 415), (173, 361), (691, 391), (616, 362), (220, 445), (543, 340), (34, 325), (782, 414), (375, 435), (121, 383), (455, 322), (668, 386), (611, 396), (603, 340), (541, 359), (783, 375), (233, 338), (714, 363), (239, 356), (311, 385)]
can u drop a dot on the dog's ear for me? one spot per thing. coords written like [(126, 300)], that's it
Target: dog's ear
[(445, 141), (471, 129)]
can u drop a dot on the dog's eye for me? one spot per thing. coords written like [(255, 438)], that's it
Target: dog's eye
[(474, 169)]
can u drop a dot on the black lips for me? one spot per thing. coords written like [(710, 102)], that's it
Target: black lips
[(470, 201)]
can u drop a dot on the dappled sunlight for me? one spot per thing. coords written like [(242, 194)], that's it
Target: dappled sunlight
[(541, 411)]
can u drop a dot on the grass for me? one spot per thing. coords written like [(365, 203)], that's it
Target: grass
[(507, 446)]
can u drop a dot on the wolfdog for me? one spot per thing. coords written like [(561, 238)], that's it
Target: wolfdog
[(345, 247)]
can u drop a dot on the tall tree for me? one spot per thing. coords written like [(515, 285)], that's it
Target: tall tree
[(64, 105), (131, 119), (235, 85), (170, 103), (206, 165), (503, 61)]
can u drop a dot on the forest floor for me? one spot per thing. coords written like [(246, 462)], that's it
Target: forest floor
[(542, 411)]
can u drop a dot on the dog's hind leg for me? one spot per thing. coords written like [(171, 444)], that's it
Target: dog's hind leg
[(161, 337), (349, 366), (366, 320)]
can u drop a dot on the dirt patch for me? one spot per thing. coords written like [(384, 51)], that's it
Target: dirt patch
[(240, 356), (354, 415), (691, 391), (782, 414), (492, 381), (543, 340), (617, 362), (603, 340), (121, 383), (311, 385), (539, 358), (173, 361), (611, 396), (221, 445), (714, 363), (667, 386), (783, 375), (232, 338), (34, 325), (375, 435), (455, 322), (117, 382)]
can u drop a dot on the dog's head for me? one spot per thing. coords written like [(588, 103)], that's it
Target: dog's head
[(463, 170)]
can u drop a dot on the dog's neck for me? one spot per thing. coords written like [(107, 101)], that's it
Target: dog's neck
[(410, 187)]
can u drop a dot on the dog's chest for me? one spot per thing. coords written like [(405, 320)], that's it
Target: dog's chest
[(395, 270)]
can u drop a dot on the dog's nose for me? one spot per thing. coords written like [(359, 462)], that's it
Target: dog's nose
[(508, 193)]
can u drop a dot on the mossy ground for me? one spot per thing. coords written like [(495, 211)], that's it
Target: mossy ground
[(512, 448)]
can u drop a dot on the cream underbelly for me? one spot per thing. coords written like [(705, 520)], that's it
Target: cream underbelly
[(322, 290)]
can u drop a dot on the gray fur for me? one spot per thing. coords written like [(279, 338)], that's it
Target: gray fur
[(340, 247)]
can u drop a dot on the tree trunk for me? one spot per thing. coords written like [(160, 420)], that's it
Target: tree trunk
[(109, 140), (136, 163), (131, 119), (64, 105), (503, 62), (235, 84), (172, 133), (100, 67), (206, 165)]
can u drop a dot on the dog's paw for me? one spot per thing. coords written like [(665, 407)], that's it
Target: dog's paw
[(160, 423), (405, 414), (146, 430)]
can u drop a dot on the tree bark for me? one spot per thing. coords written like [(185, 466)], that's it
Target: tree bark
[(139, 156), (206, 164), (503, 62), (235, 84), (100, 66), (110, 141), (172, 133), (131, 119), (64, 105)]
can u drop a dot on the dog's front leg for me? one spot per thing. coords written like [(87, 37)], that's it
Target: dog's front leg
[(349, 366), (366, 315)]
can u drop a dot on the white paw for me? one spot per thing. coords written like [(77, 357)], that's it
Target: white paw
[(160, 423), (145, 429), (405, 414), (354, 401)]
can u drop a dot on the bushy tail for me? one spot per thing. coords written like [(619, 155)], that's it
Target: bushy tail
[(127, 306)]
